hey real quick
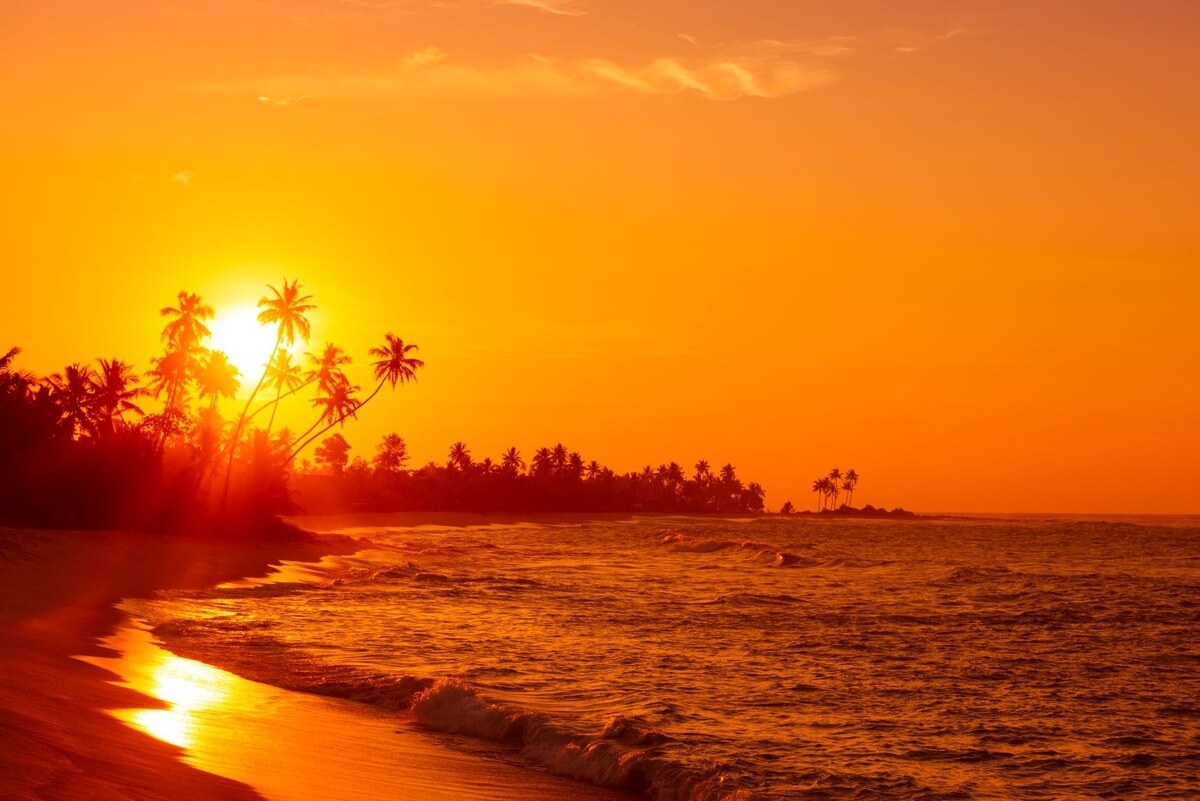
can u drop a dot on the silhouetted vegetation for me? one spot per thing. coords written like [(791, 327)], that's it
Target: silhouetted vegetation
[(78, 449), (829, 489), (554, 480)]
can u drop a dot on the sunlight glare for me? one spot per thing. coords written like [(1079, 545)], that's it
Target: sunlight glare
[(187, 687), (237, 332)]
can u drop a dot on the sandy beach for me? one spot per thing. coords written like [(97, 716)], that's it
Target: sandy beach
[(57, 591), (73, 726)]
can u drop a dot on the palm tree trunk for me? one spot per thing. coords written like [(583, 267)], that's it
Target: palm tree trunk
[(306, 442), (275, 402), (237, 430), (274, 408)]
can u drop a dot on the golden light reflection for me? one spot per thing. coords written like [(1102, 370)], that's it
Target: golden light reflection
[(188, 687)]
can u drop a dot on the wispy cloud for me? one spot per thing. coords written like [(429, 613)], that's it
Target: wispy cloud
[(763, 69), (564, 8), (183, 178)]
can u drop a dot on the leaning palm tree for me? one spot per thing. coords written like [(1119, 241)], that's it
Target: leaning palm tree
[(114, 390), (337, 406), (283, 375), (288, 311), (218, 378), (818, 486), (326, 372), (393, 364)]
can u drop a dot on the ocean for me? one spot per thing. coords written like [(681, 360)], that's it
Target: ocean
[(771, 658)]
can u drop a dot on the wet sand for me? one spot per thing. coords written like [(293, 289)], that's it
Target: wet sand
[(128, 720)]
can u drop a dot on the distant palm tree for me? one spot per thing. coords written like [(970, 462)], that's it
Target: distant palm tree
[(511, 462), (818, 486), (835, 475), (218, 378), (703, 472), (168, 372), (543, 461), (460, 457), (72, 391), (114, 390), (852, 481), (558, 457), (592, 470), (574, 468)]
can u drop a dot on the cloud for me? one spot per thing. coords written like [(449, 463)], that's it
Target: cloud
[(283, 101), (766, 68), (425, 56), (183, 178), (564, 8)]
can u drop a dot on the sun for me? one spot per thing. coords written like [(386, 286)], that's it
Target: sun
[(247, 343)]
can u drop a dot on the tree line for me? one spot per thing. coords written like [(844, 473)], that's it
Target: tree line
[(554, 479), (78, 447)]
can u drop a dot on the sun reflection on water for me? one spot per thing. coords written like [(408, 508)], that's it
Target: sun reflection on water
[(188, 687)]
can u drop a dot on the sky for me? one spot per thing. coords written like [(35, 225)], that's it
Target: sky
[(951, 245)]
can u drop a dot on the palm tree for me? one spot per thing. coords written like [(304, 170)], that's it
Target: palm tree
[(852, 481), (543, 461), (393, 364), (558, 457), (169, 371), (338, 405), (460, 457), (511, 462), (574, 468), (114, 390), (72, 391), (217, 378), (835, 475), (592, 470), (703, 472), (183, 335), (283, 375), (818, 486), (288, 311)]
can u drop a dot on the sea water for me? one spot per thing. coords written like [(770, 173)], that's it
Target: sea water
[(691, 658)]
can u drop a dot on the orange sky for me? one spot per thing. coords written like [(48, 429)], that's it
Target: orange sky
[(953, 245)]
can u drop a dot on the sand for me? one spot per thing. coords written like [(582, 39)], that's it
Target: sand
[(78, 705)]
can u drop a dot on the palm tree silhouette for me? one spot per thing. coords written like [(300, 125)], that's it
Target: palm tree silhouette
[(183, 335), (543, 461), (287, 310), (852, 481), (835, 475), (114, 390), (392, 364), (460, 457), (72, 391), (818, 486), (218, 378), (511, 462), (283, 375), (339, 404), (703, 471), (558, 457)]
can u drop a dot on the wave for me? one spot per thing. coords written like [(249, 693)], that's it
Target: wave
[(763, 553), (625, 755)]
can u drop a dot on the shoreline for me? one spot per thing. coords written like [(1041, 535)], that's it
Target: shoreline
[(58, 596), (81, 680)]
